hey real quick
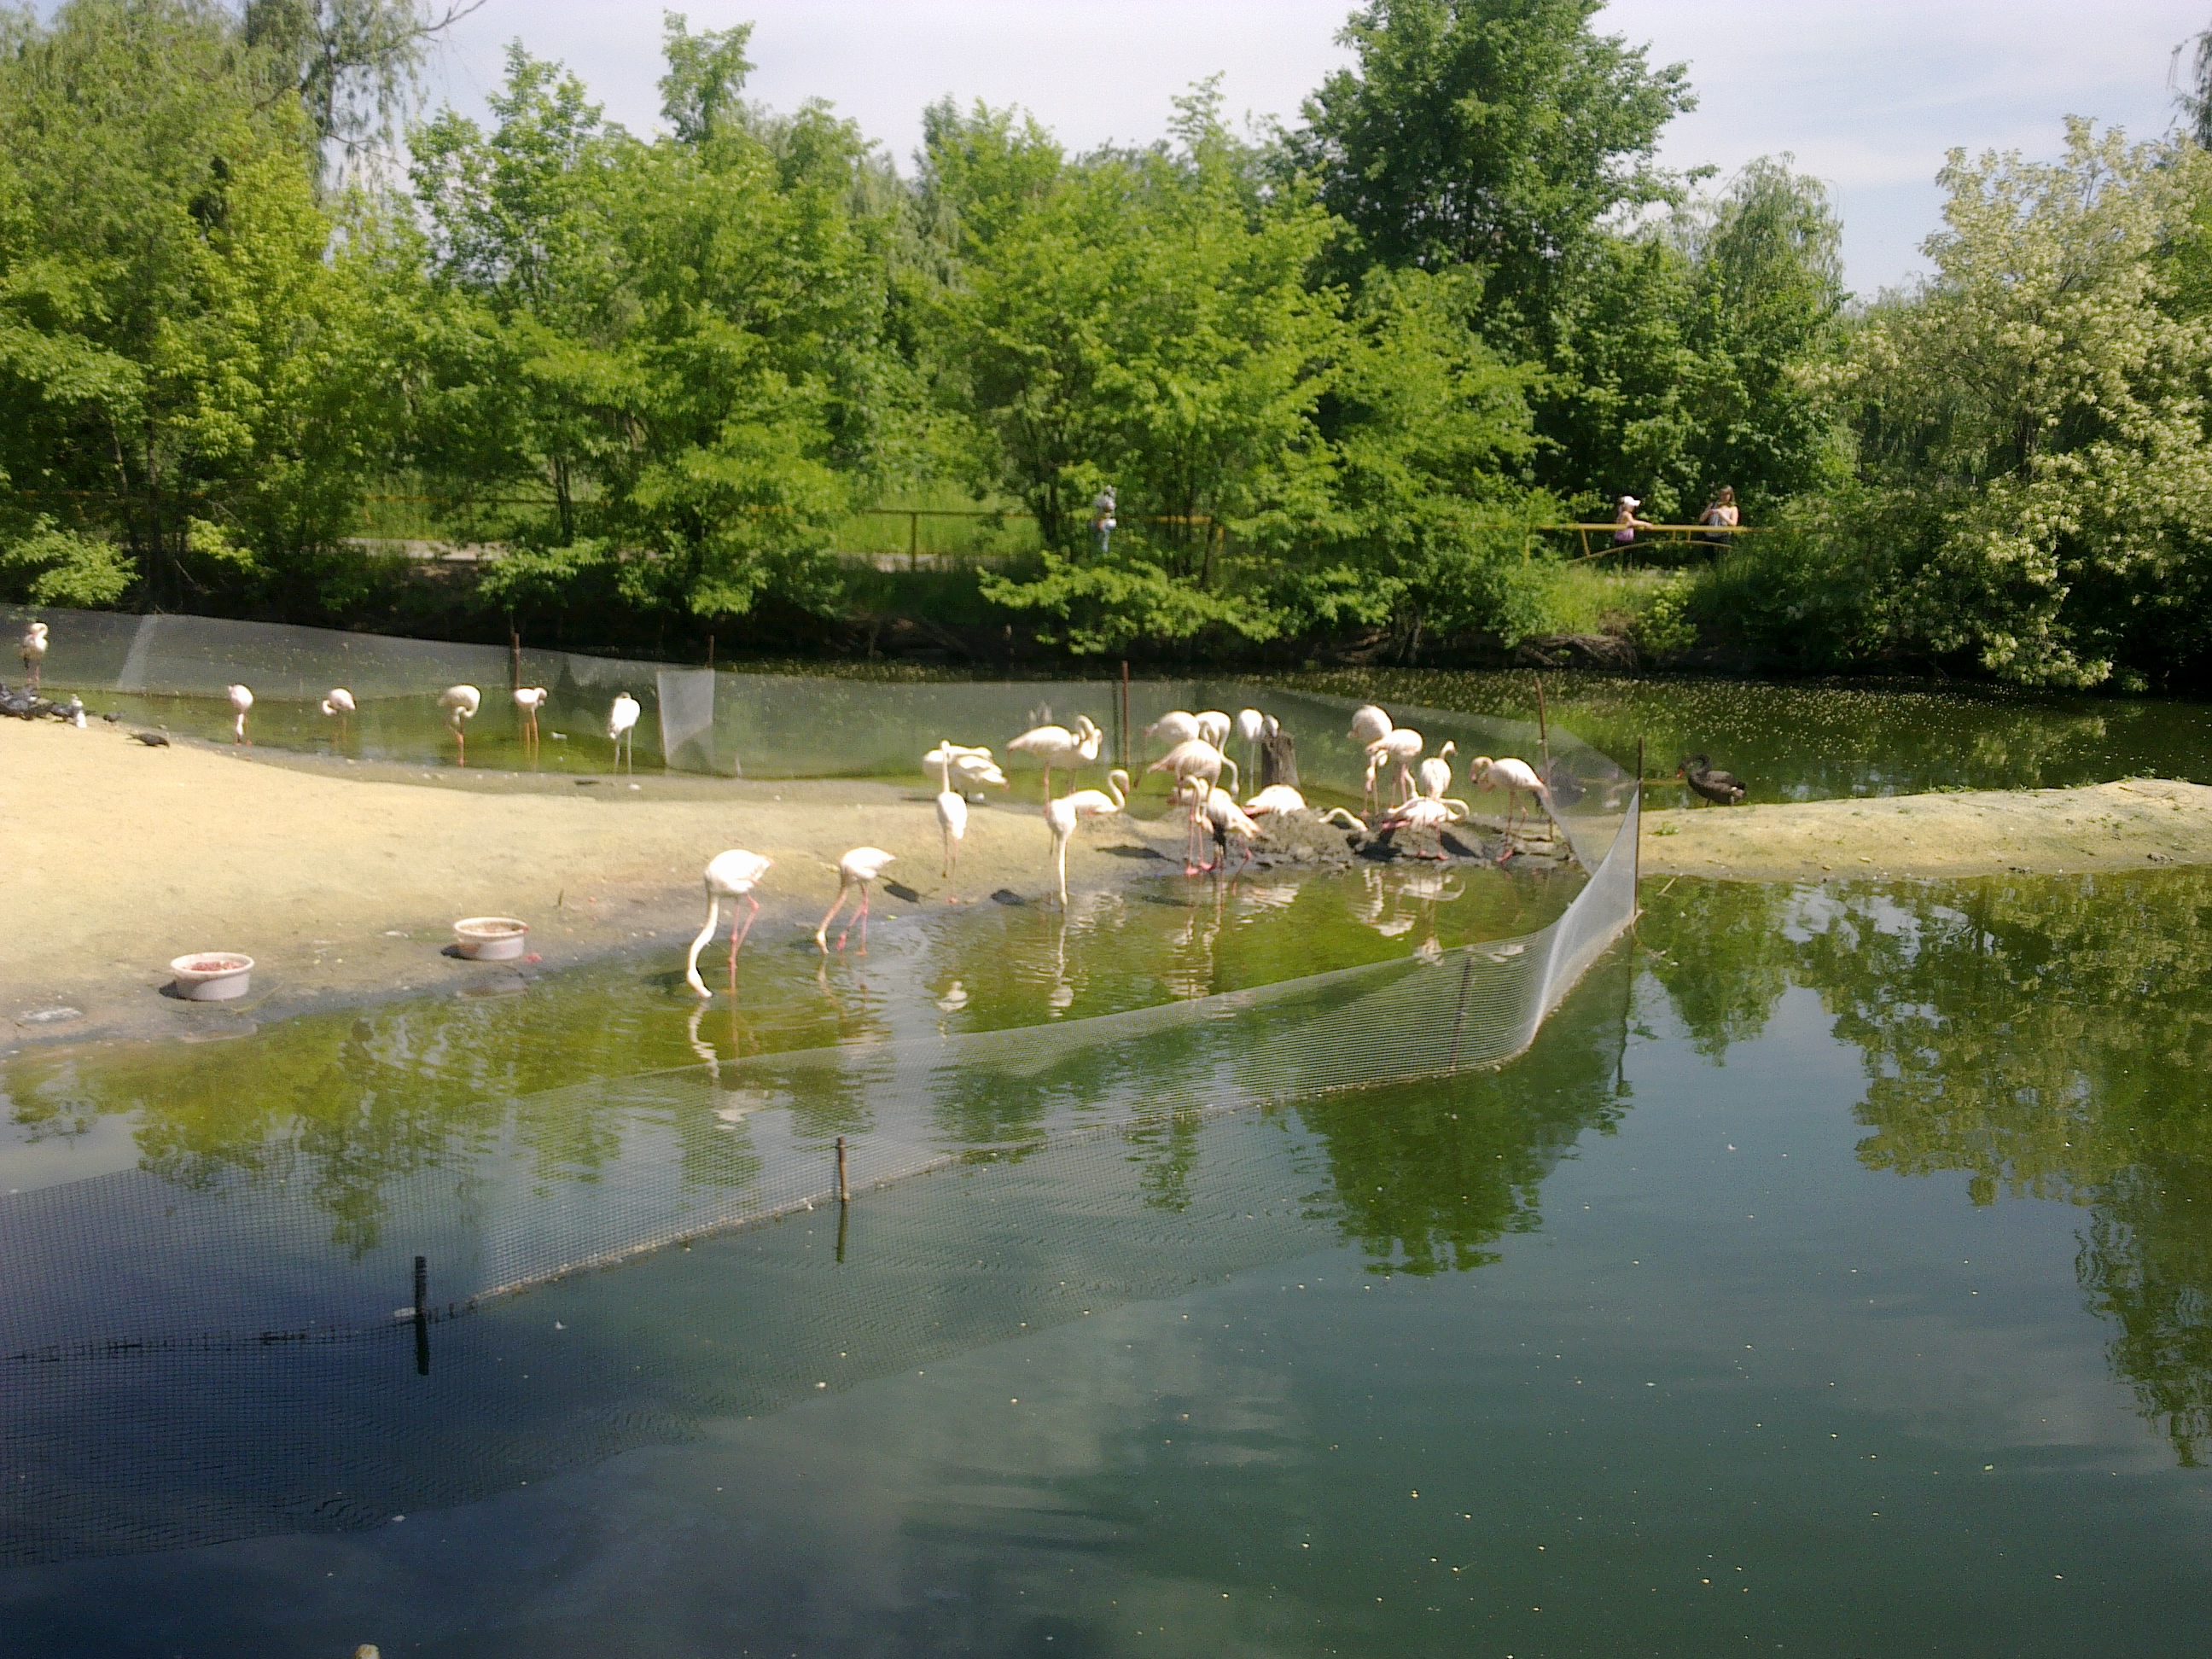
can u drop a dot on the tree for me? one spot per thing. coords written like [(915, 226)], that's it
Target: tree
[(1503, 135), (353, 63)]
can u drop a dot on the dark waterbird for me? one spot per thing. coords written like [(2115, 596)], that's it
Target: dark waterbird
[(1723, 789)]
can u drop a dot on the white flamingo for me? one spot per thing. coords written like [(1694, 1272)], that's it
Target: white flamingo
[(528, 700), (856, 869), (460, 703), (339, 704), (1196, 766), (1370, 722), (1224, 818), (1426, 813), (1064, 814), (1251, 726), (952, 810), (1174, 727), (1055, 745), (1516, 777), (1275, 798), (622, 727), (1400, 743), (1214, 726), (732, 876), (35, 653), (1436, 771), (242, 699), (973, 766)]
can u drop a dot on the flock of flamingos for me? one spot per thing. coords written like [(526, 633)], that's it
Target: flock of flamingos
[(1196, 756)]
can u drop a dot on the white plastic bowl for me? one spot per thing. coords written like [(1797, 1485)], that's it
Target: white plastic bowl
[(212, 975), (491, 938)]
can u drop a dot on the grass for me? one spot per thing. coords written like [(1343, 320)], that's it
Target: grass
[(1592, 598)]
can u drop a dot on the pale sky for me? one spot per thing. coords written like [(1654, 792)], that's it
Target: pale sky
[(1867, 94)]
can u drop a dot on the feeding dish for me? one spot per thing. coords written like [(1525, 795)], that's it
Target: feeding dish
[(491, 938), (212, 975)]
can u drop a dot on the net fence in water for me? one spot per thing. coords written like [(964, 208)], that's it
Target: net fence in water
[(756, 726), (130, 1261)]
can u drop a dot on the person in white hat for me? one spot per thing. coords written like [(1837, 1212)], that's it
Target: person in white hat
[(1626, 524)]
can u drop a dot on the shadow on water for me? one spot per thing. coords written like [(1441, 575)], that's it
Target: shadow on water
[(2045, 1038)]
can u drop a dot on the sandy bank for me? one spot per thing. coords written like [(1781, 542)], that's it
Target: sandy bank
[(342, 882), (2134, 825)]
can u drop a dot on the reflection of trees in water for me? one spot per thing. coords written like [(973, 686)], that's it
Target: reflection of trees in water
[(1428, 1175), (2045, 1037)]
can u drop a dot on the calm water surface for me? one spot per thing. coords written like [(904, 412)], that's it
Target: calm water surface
[(1832, 1278)]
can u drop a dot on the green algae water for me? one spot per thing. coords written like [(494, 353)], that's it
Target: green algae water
[(1831, 1277)]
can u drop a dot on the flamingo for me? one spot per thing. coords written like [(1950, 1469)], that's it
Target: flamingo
[(1370, 722), (952, 810), (1195, 765), (1515, 777), (241, 699), (732, 876), (1275, 798), (34, 653), (1436, 771), (1251, 726), (528, 700), (460, 703), (1402, 744), (339, 703), (1065, 813), (1055, 745), (974, 767), (1174, 727), (621, 726), (1222, 815), (1214, 726), (1426, 813), (856, 869)]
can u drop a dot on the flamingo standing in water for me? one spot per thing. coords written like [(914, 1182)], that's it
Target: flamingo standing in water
[(1224, 817), (732, 875), (460, 703), (1055, 745), (1516, 777), (952, 810), (621, 726), (856, 869), (1196, 766), (339, 704), (34, 653), (1064, 814), (528, 700), (241, 699)]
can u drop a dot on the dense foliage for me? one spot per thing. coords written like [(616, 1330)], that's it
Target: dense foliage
[(1334, 373)]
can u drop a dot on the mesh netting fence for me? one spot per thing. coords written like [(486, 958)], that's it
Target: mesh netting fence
[(756, 726), (131, 1260)]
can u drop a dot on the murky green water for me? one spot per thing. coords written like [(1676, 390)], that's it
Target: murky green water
[(1832, 1278)]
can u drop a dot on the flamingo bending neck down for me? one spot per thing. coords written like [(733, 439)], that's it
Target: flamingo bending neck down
[(242, 699), (732, 875), (1064, 814), (622, 727), (1224, 818), (1174, 727), (1516, 777), (528, 700), (34, 653), (1196, 766), (1400, 743), (340, 704), (1055, 745), (460, 703), (856, 869)]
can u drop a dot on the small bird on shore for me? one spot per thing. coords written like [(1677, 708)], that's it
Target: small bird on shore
[(242, 699), (621, 726), (856, 869), (34, 653), (732, 875), (1721, 788), (460, 703)]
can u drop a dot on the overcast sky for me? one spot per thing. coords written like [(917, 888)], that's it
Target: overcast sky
[(1867, 94)]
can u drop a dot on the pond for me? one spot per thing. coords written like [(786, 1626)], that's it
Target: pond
[(1829, 1276)]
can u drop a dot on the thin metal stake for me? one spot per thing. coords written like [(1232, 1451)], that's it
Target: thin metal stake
[(1126, 745), (844, 1188), (421, 1315), (1465, 974), (1543, 728)]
